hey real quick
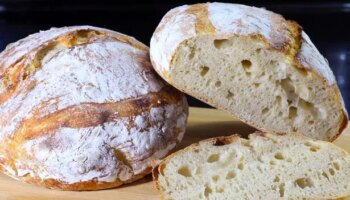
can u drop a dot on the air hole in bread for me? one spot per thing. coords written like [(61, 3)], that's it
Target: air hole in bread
[(207, 191), (240, 166), (304, 182), (217, 84), (215, 178), (309, 107), (219, 189), (289, 89), (279, 156), (292, 113), (222, 43), (331, 171), (281, 189), (248, 74), (324, 174), (309, 144), (246, 64), (191, 54), (229, 94), (311, 122), (272, 162), (336, 166), (265, 110), (230, 175), (278, 100), (277, 179), (184, 171), (314, 149), (204, 70), (213, 158), (256, 85)]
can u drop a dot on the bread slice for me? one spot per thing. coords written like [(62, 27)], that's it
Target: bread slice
[(252, 63), (266, 166)]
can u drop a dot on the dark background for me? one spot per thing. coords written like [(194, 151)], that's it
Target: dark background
[(326, 22)]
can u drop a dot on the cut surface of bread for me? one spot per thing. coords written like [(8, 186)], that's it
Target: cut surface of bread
[(252, 63), (266, 166)]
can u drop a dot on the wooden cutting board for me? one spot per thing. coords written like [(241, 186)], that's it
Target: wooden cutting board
[(203, 123)]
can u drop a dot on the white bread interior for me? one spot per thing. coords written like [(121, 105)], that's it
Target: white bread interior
[(259, 85), (253, 63), (266, 166)]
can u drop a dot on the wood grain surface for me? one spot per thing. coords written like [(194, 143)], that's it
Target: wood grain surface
[(203, 123)]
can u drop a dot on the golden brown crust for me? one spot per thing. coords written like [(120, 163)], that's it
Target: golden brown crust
[(80, 186)]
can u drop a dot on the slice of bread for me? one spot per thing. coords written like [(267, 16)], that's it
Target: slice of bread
[(252, 63), (267, 166)]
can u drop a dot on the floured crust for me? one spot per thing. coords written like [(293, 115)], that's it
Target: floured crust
[(224, 21), (82, 109), (225, 140)]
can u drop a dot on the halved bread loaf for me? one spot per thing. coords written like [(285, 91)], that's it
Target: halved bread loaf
[(267, 166), (252, 63)]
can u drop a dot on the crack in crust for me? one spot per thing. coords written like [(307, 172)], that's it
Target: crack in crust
[(203, 25), (92, 114)]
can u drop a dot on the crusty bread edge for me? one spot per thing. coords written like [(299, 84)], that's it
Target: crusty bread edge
[(79, 186), (224, 140), (291, 53), (93, 184)]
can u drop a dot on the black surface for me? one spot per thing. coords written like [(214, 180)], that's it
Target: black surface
[(326, 22)]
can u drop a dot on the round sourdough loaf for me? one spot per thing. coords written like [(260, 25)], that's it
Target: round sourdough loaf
[(82, 109), (252, 63)]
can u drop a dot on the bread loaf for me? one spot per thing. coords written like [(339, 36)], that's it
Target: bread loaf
[(82, 109), (252, 63), (266, 166)]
